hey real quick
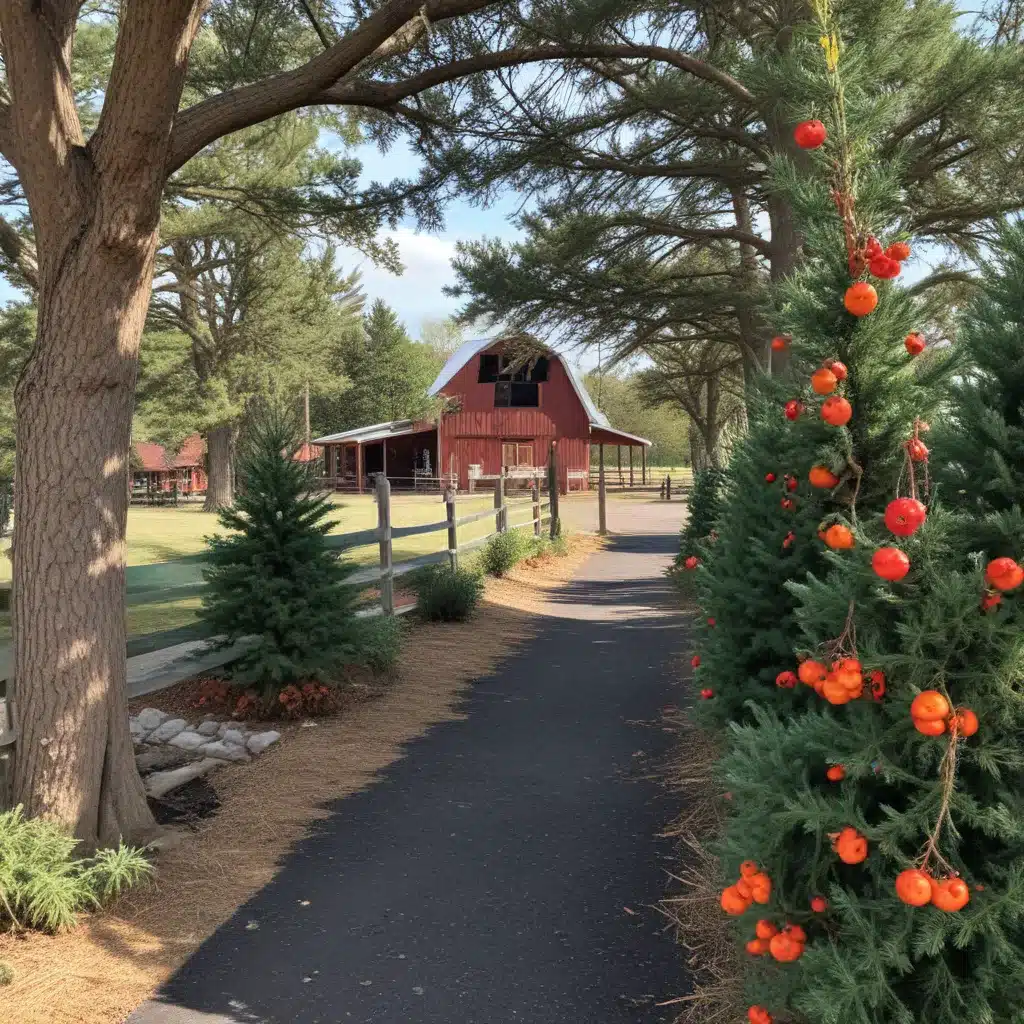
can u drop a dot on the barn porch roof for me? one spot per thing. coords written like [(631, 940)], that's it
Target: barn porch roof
[(609, 435), (377, 432)]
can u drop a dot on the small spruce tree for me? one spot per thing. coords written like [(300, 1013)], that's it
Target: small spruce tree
[(272, 577), (702, 510)]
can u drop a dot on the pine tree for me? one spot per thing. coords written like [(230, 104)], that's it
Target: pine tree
[(980, 470), (702, 511), (901, 784), (765, 535), (390, 373), (272, 576)]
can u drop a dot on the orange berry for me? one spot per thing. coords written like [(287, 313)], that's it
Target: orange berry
[(836, 773), (914, 887), (964, 722), (823, 381), (929, 704)]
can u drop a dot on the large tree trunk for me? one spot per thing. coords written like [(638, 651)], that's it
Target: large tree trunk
[(220, 483), (74, 759)]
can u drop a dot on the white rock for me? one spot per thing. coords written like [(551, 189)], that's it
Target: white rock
[(259, 741), (235, 737), (168, 730), (224, 751), (150, 719), (161, 783), (187, 740), (223, 728), (208, 728)]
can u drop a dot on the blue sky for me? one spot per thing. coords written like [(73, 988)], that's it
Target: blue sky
[(417, 294)]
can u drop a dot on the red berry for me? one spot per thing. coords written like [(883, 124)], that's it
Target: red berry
[(711, 622), (769, 478), (904, 515), (877, 684), (791, 483), (899, 251), (890, 563), (819, 904), (695, 661), (793, 409), (810, 134), (786, 680), (707, 693), (884, 267), (917, 450), (839, 369), (787, 503), (780, 343), (692, 562), (872, 248), (915, 343)]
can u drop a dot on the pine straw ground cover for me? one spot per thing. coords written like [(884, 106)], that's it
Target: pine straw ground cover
[(100, 972), (693, 909)]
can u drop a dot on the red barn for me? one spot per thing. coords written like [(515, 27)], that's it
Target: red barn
[(501, 411), (156, 471)]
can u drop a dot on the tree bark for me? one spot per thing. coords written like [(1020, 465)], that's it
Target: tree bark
[(220, 483), (74, 759)]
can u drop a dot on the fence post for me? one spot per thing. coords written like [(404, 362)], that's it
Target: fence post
[(387, 583), (453, 533), (536, 508), (661, 492), (668, 488), (499, 503), (602, 494), (556, 525)]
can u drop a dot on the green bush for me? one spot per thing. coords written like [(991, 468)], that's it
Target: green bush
[(504, 551), (42, 884), (6, 973), (377, 642), (448, 595)]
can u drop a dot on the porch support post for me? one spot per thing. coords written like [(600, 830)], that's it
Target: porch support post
[(359, 467), (643, 464), (630, 465)]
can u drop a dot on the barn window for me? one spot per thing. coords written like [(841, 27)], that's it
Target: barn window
[(516, 394), (515, 384)]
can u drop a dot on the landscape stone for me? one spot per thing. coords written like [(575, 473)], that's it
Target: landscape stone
[(235, 736), (187, 740), (224, 751), (150, 719), (208, 728), (156, 759), (168, 730), (259, 741)]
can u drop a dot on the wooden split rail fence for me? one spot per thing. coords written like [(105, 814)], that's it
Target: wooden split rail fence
[(182, 578)]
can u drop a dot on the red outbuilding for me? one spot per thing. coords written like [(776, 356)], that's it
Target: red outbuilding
[(500, 411), (158, 472)]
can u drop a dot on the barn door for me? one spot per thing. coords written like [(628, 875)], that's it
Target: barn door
[(524, 455), (508, 456)]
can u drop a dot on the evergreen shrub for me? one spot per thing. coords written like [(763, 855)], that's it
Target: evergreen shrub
[(45, 887)]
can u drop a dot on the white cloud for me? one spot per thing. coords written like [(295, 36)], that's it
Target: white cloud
[(416, 294)]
